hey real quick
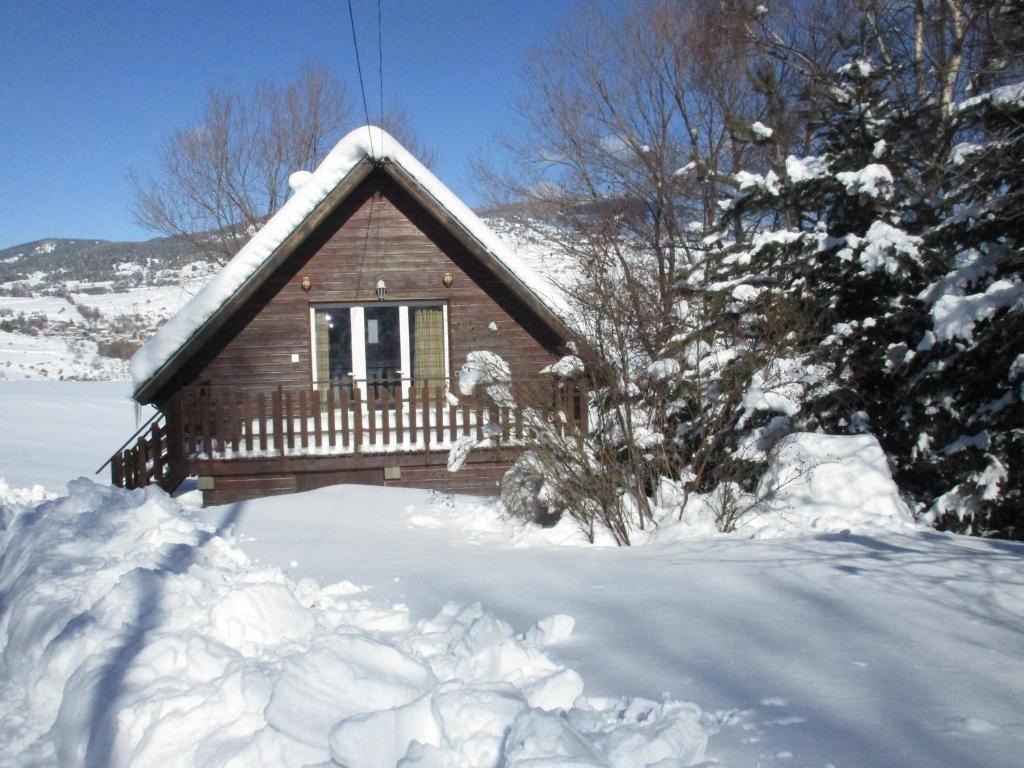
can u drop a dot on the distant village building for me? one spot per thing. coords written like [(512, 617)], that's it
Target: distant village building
[(326, 350)]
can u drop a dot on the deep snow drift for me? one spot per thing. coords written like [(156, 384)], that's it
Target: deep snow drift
[(369, 623), (132, 634)]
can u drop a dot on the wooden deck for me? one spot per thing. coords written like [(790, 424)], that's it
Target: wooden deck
[(332, 426)]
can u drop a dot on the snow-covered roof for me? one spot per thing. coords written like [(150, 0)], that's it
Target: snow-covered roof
[(366, 142)]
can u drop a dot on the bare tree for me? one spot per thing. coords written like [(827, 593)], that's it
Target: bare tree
[(219, 180)]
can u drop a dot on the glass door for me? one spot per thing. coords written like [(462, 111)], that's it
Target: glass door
[(383, 349)]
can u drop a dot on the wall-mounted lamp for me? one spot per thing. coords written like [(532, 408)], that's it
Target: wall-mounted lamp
[(448, 279), (306, 283), (381, 290)]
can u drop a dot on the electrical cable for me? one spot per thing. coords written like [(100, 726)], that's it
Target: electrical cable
[(380, 62), (359, 69)]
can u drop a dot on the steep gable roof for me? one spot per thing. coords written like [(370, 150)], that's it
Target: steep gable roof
[(349, 163)]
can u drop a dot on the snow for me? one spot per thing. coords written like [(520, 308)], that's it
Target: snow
[(779, 387), (135, 634), (883, 245), (664, 369), (831, 484), (762, 130), (683, 170), (297, 179), (805, 169), (873, 180), (361, 143), (488, 371), (1016, 368), (1004, 96), (769, 182), (565, 367), (152, 633), (51, 357), (955, 316), (53, 431)]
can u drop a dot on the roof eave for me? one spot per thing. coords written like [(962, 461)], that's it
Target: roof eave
[(146, 393)]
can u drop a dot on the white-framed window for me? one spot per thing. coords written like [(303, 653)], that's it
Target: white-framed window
[(386, 341)]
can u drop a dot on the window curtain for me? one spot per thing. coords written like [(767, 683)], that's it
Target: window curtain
[(427, 343)]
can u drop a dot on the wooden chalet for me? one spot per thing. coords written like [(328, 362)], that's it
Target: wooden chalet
[(327, 350)]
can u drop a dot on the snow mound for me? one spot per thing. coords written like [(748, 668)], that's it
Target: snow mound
[(134, 634), (13, 500), (828, 484)]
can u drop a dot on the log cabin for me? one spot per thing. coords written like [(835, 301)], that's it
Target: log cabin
[(327, 349)]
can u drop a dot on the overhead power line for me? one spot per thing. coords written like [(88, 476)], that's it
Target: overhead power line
[(359, 69), (380, 61)]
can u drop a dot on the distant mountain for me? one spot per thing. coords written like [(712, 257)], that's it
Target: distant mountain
[(77, 309), (55, 261)]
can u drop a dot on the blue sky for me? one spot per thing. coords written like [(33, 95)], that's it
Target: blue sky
[(90, 89)]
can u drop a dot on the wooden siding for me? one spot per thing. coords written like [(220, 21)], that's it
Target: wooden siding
[(378, 232), (238, 481)]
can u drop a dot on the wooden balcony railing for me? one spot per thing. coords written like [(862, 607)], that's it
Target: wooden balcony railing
[(358, 417)]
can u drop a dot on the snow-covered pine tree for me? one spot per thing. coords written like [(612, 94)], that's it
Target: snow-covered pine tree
[(970, 379), (835, 256)]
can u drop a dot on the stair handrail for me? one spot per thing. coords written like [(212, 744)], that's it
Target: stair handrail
[(125, 444)]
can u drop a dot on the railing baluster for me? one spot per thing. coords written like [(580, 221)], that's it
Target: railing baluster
[(385, 415), (261, 419), (303, 419), (212, 432), (412, 414), (142, 472), (117, 470), (426, 415), (371, 412), (289, 416), (357, 415), (398, 406), (278, 420), (247, 419), (129, 468), (344, 415), (318, 406), (332, 434), (185, 415), (439, 412), (158, 453), (234, 421), (466, 429)]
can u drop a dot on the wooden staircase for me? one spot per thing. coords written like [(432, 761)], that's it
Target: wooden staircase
[(146, 459)]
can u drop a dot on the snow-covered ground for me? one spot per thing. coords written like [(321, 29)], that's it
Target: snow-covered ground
[(53, 431), (344, 622)]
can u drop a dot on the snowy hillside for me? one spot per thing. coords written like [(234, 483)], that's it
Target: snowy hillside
[(77, 309), (373, 627)]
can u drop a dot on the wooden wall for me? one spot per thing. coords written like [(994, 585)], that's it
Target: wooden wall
[(378, 232), (241, 480)]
